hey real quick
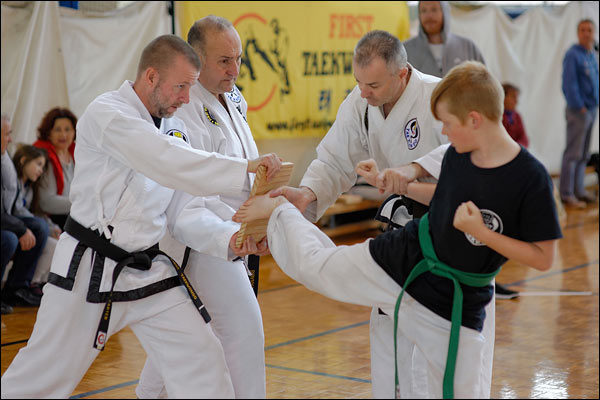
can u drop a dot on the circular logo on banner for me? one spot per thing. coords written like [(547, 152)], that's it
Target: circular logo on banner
[(412, 133), (492, 221), (178, 134), (263, 70)]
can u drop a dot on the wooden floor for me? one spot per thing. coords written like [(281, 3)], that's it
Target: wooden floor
[(546, 341)]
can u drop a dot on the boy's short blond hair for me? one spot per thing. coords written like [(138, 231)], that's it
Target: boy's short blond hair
[(468, 87)]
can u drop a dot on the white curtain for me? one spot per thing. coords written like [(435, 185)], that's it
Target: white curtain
[(528, 52), (33, 71), (55, 56)]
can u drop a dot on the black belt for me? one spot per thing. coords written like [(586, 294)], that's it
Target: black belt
[(141, 260), (252, 265)]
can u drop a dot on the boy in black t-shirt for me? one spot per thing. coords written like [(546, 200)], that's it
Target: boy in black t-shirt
[(493, 202)]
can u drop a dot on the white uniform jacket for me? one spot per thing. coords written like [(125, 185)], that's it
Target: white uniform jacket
[(204, 223), (126, 170), (432, 161), (409, 132)]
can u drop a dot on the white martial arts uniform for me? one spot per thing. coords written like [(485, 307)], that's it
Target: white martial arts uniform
[(349, 274), (122, 160), (410, 131), (204, 224)]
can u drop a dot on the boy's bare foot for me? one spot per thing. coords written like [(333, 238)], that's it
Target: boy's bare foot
[(258, 207)]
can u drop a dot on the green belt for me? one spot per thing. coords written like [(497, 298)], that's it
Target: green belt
[(431, 263)]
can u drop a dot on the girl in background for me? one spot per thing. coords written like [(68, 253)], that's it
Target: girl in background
[(31, 165)]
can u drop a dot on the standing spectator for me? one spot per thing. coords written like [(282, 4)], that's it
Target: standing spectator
[(23, 238), (435, 50), (56, 135), (511, 119), (31, 163), (580, 87)]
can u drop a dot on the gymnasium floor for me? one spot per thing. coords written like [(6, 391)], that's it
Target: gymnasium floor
[(546, 340)]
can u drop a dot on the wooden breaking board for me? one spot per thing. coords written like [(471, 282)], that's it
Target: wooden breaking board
[(258, 228)]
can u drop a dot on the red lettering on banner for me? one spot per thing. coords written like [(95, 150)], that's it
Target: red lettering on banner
[(345, 26)]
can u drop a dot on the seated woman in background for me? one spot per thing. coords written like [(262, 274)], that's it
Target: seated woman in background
[(31, 163), (25, 236), (56, 135)]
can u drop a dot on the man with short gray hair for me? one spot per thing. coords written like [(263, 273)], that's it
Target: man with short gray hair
[(387, 117), (383, 45)]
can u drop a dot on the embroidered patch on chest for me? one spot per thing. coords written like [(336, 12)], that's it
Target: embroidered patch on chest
[(412, 133), (211, 119), (492, 221), (178, 134), (234, 96)]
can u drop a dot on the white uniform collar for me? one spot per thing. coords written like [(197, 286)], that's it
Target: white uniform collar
[(408, 96), (228, 118), (126, 90), (208, 97)]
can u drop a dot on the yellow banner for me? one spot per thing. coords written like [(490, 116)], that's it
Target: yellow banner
[(297, 56)]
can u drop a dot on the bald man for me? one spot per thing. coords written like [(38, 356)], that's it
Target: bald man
[(216, 119)]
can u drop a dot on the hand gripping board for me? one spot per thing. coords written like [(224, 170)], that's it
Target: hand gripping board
[(258, 228)]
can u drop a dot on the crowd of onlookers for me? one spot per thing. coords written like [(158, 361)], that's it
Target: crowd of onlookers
[(35, 205)]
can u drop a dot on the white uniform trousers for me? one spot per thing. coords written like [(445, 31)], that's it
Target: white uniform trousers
[(172, 332), (381, 333), (349, 274), (420, 328), (225, 290)]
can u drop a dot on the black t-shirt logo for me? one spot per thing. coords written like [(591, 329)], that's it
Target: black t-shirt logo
[(492, 221)]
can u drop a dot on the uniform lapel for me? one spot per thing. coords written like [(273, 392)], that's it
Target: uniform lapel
[(126, 90), (229, 123), (404, 105), (241, 127)]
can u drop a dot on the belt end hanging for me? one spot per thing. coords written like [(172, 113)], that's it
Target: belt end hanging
[(204, 314), (100, 340)]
